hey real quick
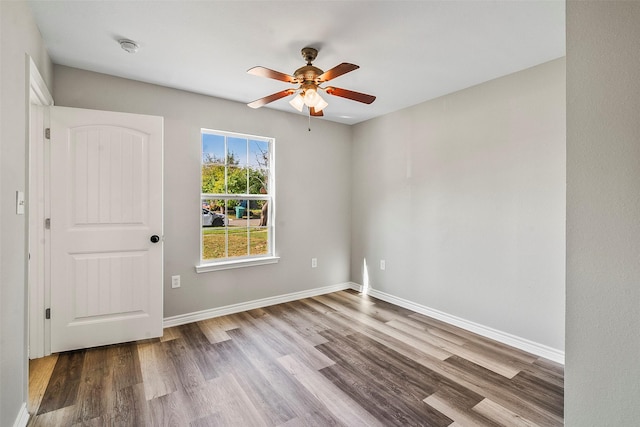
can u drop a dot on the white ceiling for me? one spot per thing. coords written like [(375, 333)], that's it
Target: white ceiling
[(408, 51)]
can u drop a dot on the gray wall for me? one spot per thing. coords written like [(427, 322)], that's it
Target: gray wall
[(464, 197), (603, 214), (18, 34), (312, 175)]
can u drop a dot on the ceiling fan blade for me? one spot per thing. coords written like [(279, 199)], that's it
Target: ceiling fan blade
[(337, 71), (349, 94), (271, 74), (274, 97), (313, 112)]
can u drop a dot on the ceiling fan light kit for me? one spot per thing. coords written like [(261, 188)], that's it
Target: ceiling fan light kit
[(297, 102), (308, 78)]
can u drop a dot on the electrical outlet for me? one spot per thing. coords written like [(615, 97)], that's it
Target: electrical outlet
[(382, 264), (175, 281), (314, 262)]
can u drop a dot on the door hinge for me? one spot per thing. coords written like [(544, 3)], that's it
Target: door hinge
[(47, 313), (47, 133), (47, 223)]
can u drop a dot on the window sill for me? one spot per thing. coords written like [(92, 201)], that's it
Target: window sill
[(226, 265)]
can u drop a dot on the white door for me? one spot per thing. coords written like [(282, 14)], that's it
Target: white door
[(106, 213)]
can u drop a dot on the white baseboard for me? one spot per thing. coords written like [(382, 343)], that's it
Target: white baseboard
[(538, 349), (23, 417), (494, 334), (197, 316)]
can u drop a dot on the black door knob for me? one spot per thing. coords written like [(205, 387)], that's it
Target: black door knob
[(155, 238)]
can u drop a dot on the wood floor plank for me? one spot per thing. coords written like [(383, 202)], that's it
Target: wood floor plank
[(433, 332), (130, 407), (262, 387), (198, 403), (297, 318), (169, 334), (213, 420), (548, 371), (199, 348), (381, 327), (501, 415), (188, 373), (340, 359), (327, 314), (386, 385), (96, 390), (392, 369), (500, 390), (338, 403), (416, 380), (401, 346), (486, 387), (460, 416), (388, 408), (263, 358), (38, 383), (304, 348), (471, 337), (62, 388), (503, 367), (313, 419), (540, 392), (232, 404), (314, 320), (58, 417), (125, 365), (158, 374), (167, 410), (215, 329)]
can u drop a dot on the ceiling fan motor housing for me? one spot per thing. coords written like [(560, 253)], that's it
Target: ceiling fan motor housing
[(308, 73)]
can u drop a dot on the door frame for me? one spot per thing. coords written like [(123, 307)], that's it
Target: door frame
[(38, 236)]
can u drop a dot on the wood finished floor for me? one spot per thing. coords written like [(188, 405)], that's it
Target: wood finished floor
[(338, 359)]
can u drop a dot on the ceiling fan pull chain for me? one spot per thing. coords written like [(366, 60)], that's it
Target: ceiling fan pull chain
[(309, 109)]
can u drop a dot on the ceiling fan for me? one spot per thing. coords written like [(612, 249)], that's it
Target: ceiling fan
[(308, 79)]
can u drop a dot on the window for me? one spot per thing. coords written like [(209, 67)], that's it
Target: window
[(237, 198)]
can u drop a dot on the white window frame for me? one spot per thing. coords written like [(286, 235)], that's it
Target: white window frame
[(206, 265)]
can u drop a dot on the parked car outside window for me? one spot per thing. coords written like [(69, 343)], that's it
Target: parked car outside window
[(213, 219)]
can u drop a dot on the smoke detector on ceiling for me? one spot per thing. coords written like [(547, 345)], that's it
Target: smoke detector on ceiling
[(129, 45)]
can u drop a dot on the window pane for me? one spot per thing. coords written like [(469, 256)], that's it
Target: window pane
[(214, 222), (258, 228), (238, 242), (259, 213), (237, 151), (238, 228), (214, 242), (258, 166), (213, 148), (212, 163), (213, 213), (237, 180), (259, 154)]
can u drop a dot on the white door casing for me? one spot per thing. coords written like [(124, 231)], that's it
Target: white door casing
[(106, 203), (37, 210)]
